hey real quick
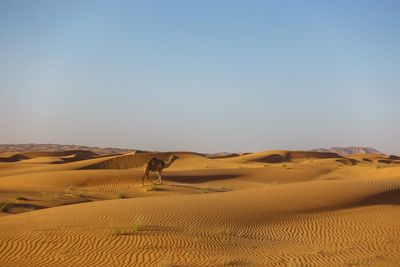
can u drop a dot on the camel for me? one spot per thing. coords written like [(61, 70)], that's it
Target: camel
[(157, 165)]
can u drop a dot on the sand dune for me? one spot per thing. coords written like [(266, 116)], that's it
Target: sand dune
[(283, 156), (48, 157), (132, 160), (392, 159), (273, 208), (12, 158)]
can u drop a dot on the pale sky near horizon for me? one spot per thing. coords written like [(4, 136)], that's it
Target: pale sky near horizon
[(201, 76)]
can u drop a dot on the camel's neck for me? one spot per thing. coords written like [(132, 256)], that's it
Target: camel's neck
[(168, 163)]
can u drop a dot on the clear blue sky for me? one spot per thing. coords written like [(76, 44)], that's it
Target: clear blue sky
[(201, 75)]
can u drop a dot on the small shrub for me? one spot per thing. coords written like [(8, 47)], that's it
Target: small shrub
[(204, 190), (121, 195), (118, 231), (286, 166), (152, 187), (3, 207), (78, 193), (137, 225), (73, 192), (21, 198)]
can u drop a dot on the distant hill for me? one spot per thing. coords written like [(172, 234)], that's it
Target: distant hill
[(57, 147), (344, 151)]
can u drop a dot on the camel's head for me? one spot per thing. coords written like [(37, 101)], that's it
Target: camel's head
[(174, 157)]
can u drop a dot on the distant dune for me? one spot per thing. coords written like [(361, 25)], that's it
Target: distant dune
[(344, 151), (269, 208), (278, 156), (58, 147)]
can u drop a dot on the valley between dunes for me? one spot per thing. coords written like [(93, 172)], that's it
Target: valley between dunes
[(272, 208)]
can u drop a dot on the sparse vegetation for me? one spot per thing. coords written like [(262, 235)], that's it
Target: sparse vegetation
[(121, 195), (204, 190), (286, 166), (49, 195), (3, 207), (77, 193), (118, 231), (137, 224), (70, 191), (152, 187), (54, 196)]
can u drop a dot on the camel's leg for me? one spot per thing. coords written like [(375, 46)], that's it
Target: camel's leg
[(159, 176), (146, 174), (148, 179)]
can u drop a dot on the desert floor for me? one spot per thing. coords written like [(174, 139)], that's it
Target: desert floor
[(274, 208)]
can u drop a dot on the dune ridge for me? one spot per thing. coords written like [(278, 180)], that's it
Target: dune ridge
[(278, 156)]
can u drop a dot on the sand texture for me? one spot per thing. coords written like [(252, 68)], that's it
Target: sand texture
[(272, 208)]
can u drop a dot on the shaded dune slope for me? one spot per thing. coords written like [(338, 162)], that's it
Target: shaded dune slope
[(377, 158), (64, 156)]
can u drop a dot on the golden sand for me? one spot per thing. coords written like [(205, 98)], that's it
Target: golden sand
[(273, 208)]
